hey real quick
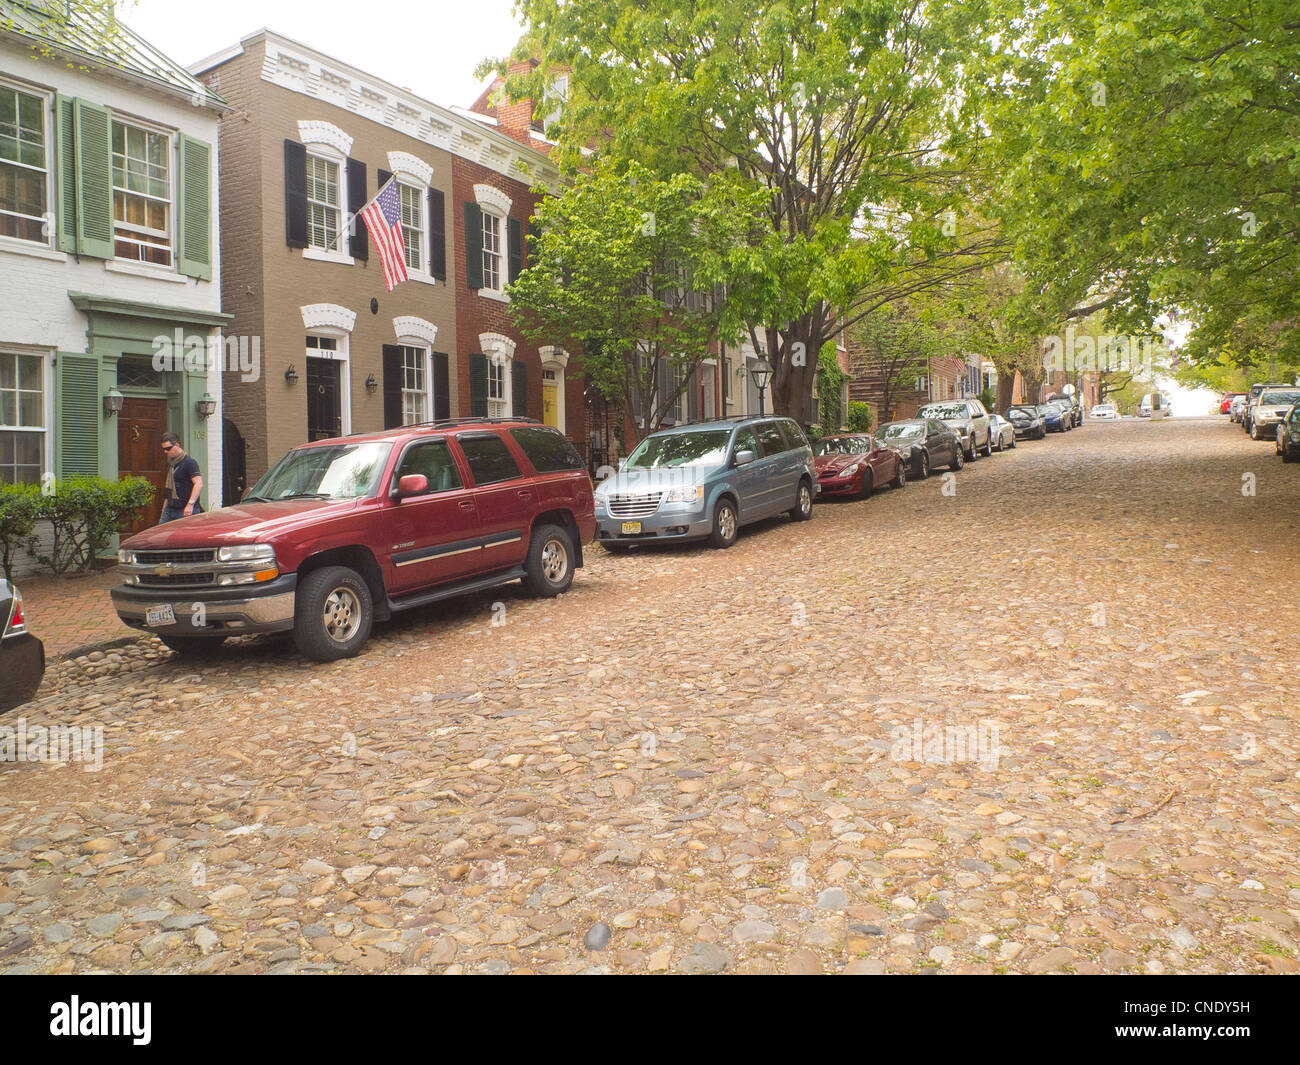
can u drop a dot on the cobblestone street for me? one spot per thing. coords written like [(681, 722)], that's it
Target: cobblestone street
[(1046, 722)]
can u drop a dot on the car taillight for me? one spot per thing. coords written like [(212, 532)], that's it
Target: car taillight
[(17, 623)]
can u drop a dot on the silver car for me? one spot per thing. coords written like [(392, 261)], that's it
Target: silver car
[(968, 419), (1269, 411), (705, 481)]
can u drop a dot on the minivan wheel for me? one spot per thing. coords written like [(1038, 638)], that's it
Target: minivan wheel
[(725, 524), (802, 509), (333, 614), (550, 561)]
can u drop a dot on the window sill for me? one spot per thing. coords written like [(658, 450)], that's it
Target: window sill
[(35, 251), (421, 277), (320, 255), (493, 294), (156, 273)]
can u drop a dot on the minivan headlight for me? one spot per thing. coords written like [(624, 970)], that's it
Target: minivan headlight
[(685, 495), (125, 557), (246, 553)]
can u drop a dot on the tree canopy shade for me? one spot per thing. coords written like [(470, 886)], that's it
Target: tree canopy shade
[(834, 111), (1149, 160)]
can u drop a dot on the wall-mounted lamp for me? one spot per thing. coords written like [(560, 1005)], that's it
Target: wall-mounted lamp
[(113, 403), (290, 375), (206, 407), (371, 384)]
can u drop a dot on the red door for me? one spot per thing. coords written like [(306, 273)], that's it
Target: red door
[(431, 538), (505, 499), (140, 426)]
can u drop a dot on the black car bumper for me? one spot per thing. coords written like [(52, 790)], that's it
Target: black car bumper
[(22, 664), (211, 611)]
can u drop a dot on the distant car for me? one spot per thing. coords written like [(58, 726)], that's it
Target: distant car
[(1270, 408), (1104, 412), (1288, 435), (1248, 411), (1027, 422), (924, 444), (1002, 431), (22, 655), (968, 419), (1236, 407), (1072, 407), (853, 464), (1054, 417), (1226, 404)]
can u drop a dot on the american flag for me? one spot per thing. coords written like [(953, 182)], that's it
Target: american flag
[(383, 218)]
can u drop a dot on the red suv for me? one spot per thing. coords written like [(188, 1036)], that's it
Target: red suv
[(342, 532)]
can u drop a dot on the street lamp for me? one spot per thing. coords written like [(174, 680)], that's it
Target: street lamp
[(761, 372)]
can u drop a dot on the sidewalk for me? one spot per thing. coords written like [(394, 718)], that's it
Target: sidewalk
[(70, 613)]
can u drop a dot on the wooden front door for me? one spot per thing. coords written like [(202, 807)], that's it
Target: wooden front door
[(139, 454), (324, 404)]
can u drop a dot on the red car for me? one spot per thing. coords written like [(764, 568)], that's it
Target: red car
[(341, 533), (1227, 401), (853, 464)]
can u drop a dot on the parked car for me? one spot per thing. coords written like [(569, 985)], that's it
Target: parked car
[(968, 419), (1054, 418), (1104, 412), (1027, 421), (1270, 408), (22, 655), (705, 481), (924, 444), (1237, 407), (1248, 411), (1002, 432), (1071, 406), (1225, 404), (341, 533), (854, 464)]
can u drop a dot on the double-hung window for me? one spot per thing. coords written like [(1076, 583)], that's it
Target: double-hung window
[(323, 203), (23, 175), (498, 405), (491, 252), (413, 226), (142, 194), (22, 418), (415, 386)]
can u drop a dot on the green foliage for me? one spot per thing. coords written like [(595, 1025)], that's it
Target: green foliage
[(989, 398), (860, 418), (18, 509), (830, 383), (85, 513)]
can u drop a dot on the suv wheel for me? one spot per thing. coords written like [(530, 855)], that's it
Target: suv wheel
[(725, 524), (193, 646), (1254, 431), (988, 445), (802, 509), (550, 561), (333, 614)]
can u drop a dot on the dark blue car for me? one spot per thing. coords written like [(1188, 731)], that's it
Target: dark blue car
[(1054, 418)]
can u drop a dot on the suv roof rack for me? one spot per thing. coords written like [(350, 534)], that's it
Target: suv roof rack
[(444, 423)]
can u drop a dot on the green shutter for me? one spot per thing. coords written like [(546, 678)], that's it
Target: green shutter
[(473, 246), (195, 222), (66, 170), (94, 181), (514, 248), (478, 401), (76, 401), (519, 387)]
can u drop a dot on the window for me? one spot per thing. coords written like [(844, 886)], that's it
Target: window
[(322, 202), (432, 460), (22, 418), (489, 459), (142, 195), (22, 166), (769, 435), (793, 434), (415, 386), (548, 450), (497, 404), (491, 252), (319, 345), (413, 225)]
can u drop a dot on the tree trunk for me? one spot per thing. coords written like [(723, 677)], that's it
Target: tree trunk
[(793, 352), (1006, 388)]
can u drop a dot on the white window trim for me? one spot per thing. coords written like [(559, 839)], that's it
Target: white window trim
[(500, 348), (427, 357), (173, 180), (492, 201), (325, 135), (420, 273), (413, 332), (34, 247), (343, 355), (47, 355), (331, 153), (413, 171)]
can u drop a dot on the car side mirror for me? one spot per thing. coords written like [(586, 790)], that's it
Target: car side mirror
[(413, 484), (744, 458)]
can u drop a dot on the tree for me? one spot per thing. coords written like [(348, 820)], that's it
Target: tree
[(57, 26), (891, 349), (627, 267), (835, 111)]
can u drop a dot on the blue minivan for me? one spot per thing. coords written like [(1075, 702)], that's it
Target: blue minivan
[(704, 481)]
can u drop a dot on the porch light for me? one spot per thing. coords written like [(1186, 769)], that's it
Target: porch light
[(113, 403), (372, 385), (290, 375), (206, 407)]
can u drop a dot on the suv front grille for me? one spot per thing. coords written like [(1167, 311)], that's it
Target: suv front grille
[(641, 506), (158, 558), (183, 580)]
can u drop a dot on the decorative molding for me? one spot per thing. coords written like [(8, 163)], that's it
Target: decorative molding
[(409, 327), (492, 199), (553, 356), (496, 346), (328, 316), (404, 164), (325, 133)]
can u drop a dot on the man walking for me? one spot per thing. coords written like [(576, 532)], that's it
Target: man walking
[(183, 484)]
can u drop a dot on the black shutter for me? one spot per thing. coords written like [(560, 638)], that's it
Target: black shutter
[(441, 386), (358, 238), (478, 403), (295, 194), (382, 178), (514, 247), (473, 246), (519, 385), (392, 386), (437, 235)]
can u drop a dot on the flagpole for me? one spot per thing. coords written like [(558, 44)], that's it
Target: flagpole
[(352, 218)]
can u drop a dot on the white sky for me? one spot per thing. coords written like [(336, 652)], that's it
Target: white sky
[(429, 47)]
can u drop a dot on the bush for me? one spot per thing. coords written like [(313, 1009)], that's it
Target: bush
[(989, 398), (19, 504), (85, 513), (861, 419)]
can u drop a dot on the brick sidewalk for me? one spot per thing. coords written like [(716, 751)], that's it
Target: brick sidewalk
[(69, 613)]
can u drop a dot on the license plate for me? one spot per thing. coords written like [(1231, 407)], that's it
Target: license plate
[(629, 527), (159, 615)]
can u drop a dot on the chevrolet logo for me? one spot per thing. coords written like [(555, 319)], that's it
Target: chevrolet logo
[(165, 570)]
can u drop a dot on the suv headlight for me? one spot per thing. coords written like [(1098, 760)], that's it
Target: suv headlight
[(126, 557), (685, 495), (246, 553)]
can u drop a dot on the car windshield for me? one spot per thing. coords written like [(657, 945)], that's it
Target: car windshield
[(902, 431), (1028, 412), (1280, 399), (707, 448), (945, 410), (843, 445), (333, 471)]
